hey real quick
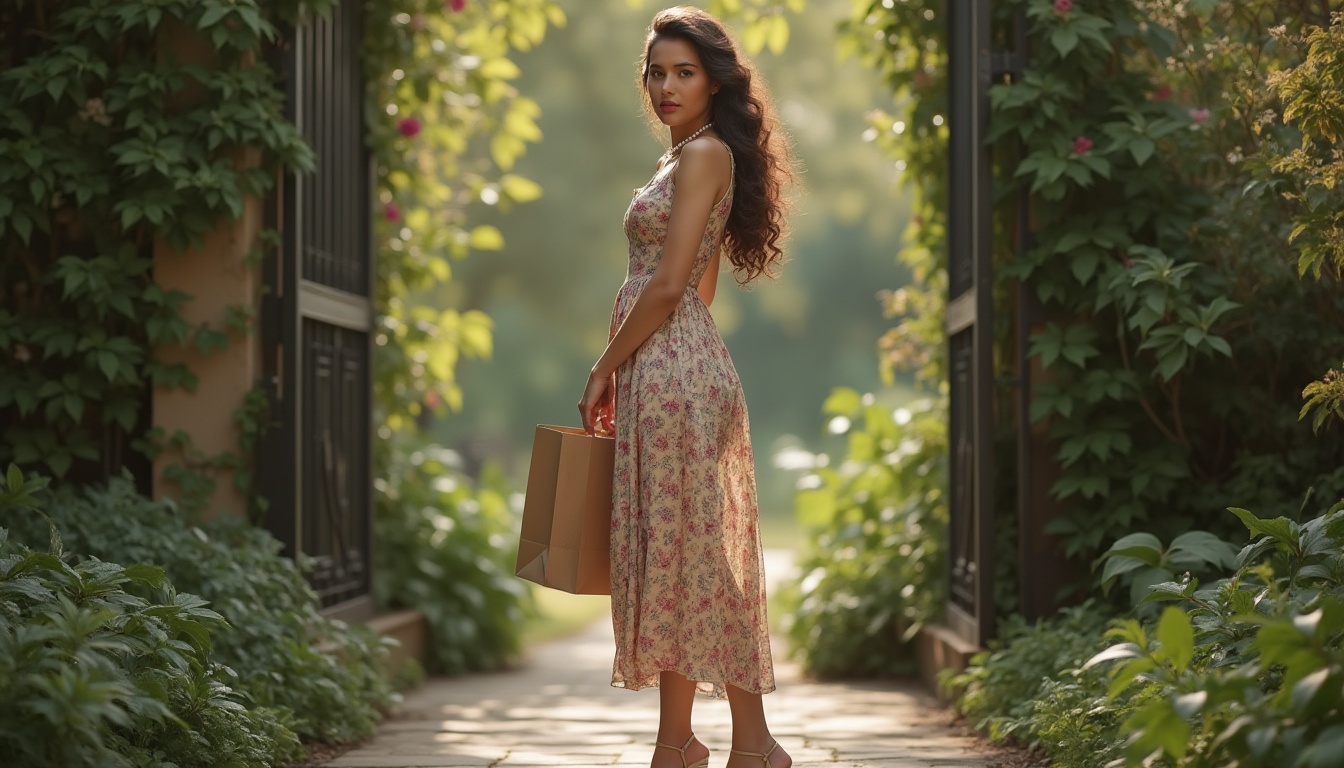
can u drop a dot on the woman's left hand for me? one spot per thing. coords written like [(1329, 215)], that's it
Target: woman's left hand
[(596, 407)]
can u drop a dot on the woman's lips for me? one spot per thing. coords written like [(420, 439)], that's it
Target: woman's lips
[(668, 106)]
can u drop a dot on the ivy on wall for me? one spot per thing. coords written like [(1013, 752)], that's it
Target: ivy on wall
[(111, 141), (1177, 332)]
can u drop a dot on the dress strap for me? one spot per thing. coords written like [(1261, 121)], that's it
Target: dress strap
[(732, 173), (732, 170)]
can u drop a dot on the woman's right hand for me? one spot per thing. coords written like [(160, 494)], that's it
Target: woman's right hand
[(596, 408)]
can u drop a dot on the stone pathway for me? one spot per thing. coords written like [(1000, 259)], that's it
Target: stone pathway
[(560, 710)]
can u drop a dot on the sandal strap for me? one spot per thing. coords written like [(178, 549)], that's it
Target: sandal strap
[(680, 750), (765, 758)]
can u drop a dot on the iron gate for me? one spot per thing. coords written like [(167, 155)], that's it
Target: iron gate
[(969, 325), (318, 315)]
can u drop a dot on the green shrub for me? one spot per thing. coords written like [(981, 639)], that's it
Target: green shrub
[(446, 548), (325, 676), (1250, 670), (874, 575), (105, 665), (1029, 687), (1140, 560)]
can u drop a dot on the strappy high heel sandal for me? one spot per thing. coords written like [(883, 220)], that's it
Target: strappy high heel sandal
[(682, 751), (764, 758)]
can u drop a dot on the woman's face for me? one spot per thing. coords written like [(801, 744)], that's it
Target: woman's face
[(677, 85)]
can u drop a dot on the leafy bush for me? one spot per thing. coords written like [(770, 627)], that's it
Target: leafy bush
[(326, 677), (1030, 688), (106, 665), (1001, 684), (1142, 561), (875, 573), (1250, 671), (446, 548)]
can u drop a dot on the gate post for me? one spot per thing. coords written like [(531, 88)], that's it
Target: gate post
[(316, 466), (969, 326)]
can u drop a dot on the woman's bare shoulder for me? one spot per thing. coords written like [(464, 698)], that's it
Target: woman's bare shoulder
[(707, 149), (706, 158)]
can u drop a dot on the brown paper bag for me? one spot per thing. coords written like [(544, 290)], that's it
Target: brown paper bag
[(567, 512)]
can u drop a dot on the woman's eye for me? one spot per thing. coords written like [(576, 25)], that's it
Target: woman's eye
[(685, 73)]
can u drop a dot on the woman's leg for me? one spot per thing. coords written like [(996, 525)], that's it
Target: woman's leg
[(750, 733), (676, 694)]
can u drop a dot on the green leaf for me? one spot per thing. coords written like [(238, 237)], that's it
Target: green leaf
[(1141, 148), (1124, 675), (1325, 749), (1306, 690), (1064, 39), (1190, 704), (486, 238), (519, 189), (842, 401), (777, 35), (150, 575), (1204, 546), (1281, 529), (1117, 651), (1118, 566), (1177, 636), (1144, 546)]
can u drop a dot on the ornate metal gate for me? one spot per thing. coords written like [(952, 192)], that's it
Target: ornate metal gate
[(318, 314), (969, 325)]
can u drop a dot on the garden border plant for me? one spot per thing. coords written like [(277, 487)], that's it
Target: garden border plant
[(111, 666)]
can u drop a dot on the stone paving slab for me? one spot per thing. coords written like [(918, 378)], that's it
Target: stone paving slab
[(559, 709)]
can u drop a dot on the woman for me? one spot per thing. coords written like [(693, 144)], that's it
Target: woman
[(688, 592)]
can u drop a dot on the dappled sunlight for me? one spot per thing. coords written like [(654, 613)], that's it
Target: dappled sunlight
[(558, 708)]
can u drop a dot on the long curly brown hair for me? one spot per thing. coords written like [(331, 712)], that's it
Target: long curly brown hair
[(745, 119)]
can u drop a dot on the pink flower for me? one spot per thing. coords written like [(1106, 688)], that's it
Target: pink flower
[(391, 212), (1063, 6), (1082, 145), (457, 5), (408, 126), (1200, 116), (1163, 93)]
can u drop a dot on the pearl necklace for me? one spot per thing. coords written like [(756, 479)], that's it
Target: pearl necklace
[(687, 140)]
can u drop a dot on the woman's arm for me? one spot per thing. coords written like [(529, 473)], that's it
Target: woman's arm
[(701, 175)]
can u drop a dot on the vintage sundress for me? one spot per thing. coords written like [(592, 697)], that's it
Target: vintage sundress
[(687, 579)]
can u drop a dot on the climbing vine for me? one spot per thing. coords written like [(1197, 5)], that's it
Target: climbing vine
[(115, 142), (1176, 333)]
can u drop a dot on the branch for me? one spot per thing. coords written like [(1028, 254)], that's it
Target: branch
[(1143, 402)]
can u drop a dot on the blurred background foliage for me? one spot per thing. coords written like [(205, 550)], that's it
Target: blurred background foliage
[(549, 289)]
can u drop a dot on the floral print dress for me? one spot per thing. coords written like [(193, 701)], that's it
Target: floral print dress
[(687, 581)]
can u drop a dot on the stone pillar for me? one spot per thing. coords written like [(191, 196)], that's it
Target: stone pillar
[(217, 275)]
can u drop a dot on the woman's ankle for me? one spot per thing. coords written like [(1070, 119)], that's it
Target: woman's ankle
[(759, 742)]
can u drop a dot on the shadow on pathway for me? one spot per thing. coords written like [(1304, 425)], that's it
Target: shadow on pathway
[(560, 709)]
